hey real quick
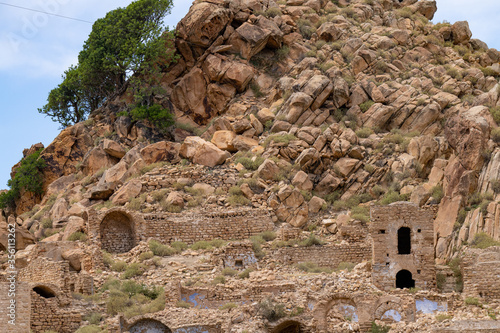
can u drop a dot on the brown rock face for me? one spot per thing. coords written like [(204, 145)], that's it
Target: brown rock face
[(203, 23), (461, 33), (468, 134), (161, 151), (128, 191), (202, 152)]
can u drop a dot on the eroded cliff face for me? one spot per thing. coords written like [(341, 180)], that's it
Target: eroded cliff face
[(310, 110)]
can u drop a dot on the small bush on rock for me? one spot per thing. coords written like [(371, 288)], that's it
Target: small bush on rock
[(270, 310)]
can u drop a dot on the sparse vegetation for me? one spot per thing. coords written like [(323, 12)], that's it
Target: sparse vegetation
[(133, 299), (379, 328), (160, 249), (482, 241), (271, 310)]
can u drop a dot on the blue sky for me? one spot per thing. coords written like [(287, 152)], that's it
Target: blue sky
[(35, 49)]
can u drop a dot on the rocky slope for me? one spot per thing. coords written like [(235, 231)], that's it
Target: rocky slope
[(313, 110)]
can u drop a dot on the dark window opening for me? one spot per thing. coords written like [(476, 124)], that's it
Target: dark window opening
[(404, 241), (418, 271), (238, 263), (382, 231), (387, 264), (404, 279), (44, 292), (419, 230), (288, 327)]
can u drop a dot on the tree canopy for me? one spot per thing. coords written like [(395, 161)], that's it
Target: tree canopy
[(125, 42)]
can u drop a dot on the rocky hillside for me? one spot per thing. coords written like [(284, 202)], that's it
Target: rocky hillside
[(313, 110)]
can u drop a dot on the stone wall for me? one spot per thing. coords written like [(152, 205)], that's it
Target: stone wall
[(50, 314), (212, 298), (236, 255), (386, 222), (168, 227), (481, 269), (326, 256), (22, 308)]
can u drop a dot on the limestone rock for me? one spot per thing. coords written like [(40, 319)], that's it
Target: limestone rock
[(427, 8), (243, 143), (265, 115), (328, 32), (224, 140), (205, 189), (202, 152), (75, 224), (268, 170), (249, 39), (75, 258), (113, 148), (238, 75), (23, 237), (302, 181), (130, 190), (161, 151), (461, 33), (175, 198), (315, 204)]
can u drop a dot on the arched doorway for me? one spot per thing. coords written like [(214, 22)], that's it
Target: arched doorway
[(149, 326), (404, 240), (44, 291), (404, 279), (117, 233), (289, 326)]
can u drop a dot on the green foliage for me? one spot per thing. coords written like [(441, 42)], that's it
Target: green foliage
[(208, 245), (495, 133), (366, 105), (183, 304), (482, 241), (495, 185), (472, 301), (379, 328), (219, 279), (94, 318), (119, 266), (160, 117), (392, 196), (272, 12), (364, 132), (270, 310), (134, 269), (312, 240), (229, 272), (312, 267), (280, 138), (146, 255), (268, 235), (160, 249), (28, 177), (349, 266), (77, 236), (125, 42), (437, 193), (282, 53), (179, 246), (132, 298), (228, 306), (442, 317), (248, 160), (245, 274), (454, 264), (306, 28)]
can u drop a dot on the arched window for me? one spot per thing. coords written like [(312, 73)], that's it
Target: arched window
[(404, 279), (404, 240), (117, 234), (45, 292), (149, 325)]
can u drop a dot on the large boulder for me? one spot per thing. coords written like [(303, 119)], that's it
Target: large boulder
[(75, 224), (203, 23), (224, 140), (113, 148), (202, 152), (249, 39), (329, 32), (161, 151), (268, 170), (23, 237), (427, 8), (239, 75), (130, 190), (461, 33)]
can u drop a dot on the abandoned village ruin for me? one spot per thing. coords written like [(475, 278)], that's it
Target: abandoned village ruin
[(334, 167)]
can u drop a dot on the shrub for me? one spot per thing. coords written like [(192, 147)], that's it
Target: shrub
[(179, 246), (28, 177), (364, 132), (454, 264), (282, 53), (248, 160), (183, 304), (132, 298), (160, 117), (161, 250), (245, 274), (219, 279), (256, 89), (268, 235), (270, 310), (279, 138), (132, 270), (146, 255), (208, 245), (379, 328), (85, 329), (238, 200), (228, 306), (305, 27), (94, 318), (311, 241), (136, 203), (77, 236), (297, 311), (437, 193), (46, 223), (391, 197), (495, 134), (119, 266), (440, 281), (256, 246), (472, 301), (442, 317), (229, 272), (482, 241), (346, 265), (366, 105)]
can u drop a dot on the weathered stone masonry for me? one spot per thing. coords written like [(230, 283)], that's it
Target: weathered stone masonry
[(481, 269), (403, 246)]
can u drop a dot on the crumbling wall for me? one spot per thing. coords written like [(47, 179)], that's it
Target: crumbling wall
[(481, 269), (236, 255), (326, 256), (50, 313), (386, 222)]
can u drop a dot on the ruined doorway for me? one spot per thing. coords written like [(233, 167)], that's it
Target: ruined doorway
[(117, 233), (149, 326), (404, 240), (44, 292), (404, 279)]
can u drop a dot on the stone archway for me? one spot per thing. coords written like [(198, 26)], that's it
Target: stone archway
[(117, 233), (389, 311), (404, 279), (44, 291), (149, 326), (289, 326)]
